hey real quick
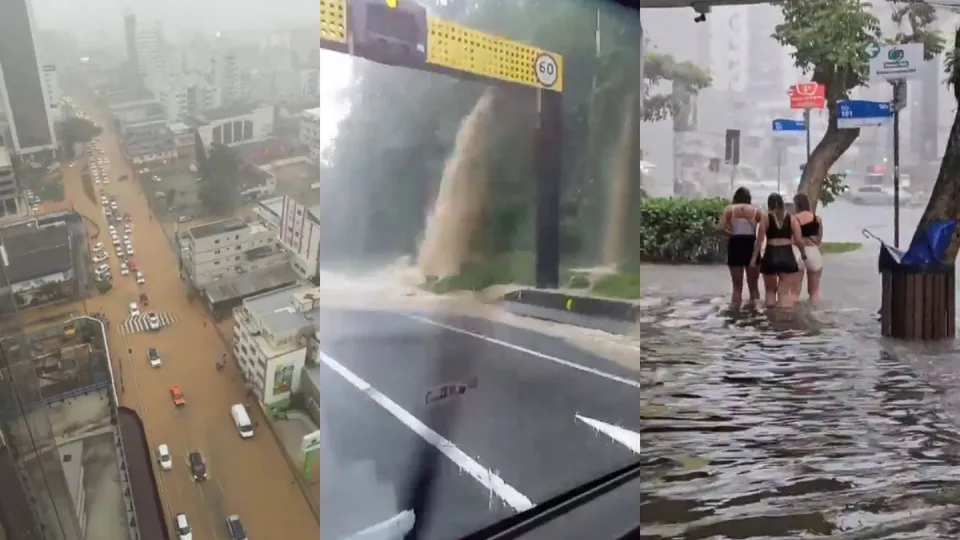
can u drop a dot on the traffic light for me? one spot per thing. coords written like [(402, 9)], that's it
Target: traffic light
[(388, 31)]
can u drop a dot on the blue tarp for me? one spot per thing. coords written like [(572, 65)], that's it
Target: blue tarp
[(927, 250)]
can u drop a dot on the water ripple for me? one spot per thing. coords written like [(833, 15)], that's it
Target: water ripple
[(800, 425)]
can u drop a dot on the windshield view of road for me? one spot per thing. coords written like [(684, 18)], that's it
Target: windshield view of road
[(440, 269)]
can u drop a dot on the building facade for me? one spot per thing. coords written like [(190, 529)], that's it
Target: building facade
[(229, 248), (271, 335), (51, 87), (149, 143), (21, 83), (310, 132), (233, 125), (9, 190)]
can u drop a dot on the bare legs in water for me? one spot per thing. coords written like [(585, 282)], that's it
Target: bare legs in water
[(737, 274)]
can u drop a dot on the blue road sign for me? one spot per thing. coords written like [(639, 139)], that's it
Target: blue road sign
[(858, 113), (785, 125)]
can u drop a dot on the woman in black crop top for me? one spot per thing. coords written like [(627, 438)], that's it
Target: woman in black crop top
[(779, 234), (811, 231)]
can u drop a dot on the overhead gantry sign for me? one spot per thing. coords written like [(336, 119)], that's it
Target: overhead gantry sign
[(401, 33)]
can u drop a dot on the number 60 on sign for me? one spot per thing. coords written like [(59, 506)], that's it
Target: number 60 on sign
[(546, 70)]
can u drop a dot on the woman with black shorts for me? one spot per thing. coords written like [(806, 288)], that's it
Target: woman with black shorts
[(739, 222), (780, 233)]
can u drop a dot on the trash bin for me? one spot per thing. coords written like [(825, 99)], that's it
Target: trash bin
[(919, 296)]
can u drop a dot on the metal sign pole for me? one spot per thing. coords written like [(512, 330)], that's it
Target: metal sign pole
[(899, 101), (806, 127)]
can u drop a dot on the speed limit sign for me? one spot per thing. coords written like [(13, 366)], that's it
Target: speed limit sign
[(546, 70)]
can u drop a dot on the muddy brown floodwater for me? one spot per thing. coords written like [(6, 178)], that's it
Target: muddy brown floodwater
[(806, 425)]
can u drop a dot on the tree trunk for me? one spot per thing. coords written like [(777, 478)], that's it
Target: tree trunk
[(618, 197), (944, 203), (833, 145)]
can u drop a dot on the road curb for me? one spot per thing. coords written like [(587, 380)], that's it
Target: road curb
[(584, 306)]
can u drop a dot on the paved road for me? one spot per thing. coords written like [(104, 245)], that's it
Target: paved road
[(518, 429), (249, 478)]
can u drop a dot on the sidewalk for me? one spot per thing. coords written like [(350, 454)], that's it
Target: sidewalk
[(850, 280)]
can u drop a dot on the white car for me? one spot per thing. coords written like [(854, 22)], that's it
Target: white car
[(106, 180), (163, 456), (877, 195), (103, 268), (100, 257), (140, 279), (112, 229), (116, 242), (129, 250), (113, 204), (153, 321), (127, 228), (98, 246), (124, 270), (134, 309), (96, 180), (183, 528)]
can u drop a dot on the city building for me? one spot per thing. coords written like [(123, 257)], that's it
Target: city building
[(298, 230), (225, 73), (229, 248), (40, 260), (234, 124), (150, 51), (8, 186), (183, 139), (271, 334), (21, 84), (187, 96), (310, 132), (137, 111), (53, 95), (149, 142), (130, 40)]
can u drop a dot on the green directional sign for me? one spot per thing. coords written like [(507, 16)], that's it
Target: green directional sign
[(873, 50)]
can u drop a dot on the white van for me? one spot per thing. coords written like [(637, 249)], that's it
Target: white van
[(242, 420)]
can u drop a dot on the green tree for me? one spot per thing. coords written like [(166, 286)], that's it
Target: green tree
[(78, 130), (218, 186), (829, 39)]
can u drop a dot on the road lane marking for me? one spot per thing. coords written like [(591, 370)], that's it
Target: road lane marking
[(531, 352), (487, 478), (624, 436)]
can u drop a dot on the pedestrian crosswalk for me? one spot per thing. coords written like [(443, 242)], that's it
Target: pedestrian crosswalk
[(139, 323)]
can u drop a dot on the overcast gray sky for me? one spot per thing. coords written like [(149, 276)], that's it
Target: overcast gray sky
[(79, 15)]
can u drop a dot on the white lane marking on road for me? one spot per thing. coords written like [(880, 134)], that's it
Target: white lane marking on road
[(626, 437), (531, 352), (487, 478)]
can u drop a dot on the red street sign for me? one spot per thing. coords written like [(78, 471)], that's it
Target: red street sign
[(808, 96)]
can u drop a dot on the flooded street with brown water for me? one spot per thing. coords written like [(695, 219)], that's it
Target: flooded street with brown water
[(800, 425)]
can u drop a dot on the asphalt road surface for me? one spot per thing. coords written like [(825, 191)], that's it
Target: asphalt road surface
[(512, 442), (246, 477)]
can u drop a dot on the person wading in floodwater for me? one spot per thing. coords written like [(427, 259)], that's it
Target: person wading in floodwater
[(780, 232), (811, 229), (739, 223)]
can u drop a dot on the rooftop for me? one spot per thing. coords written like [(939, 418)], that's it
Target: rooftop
[(178, 127), (218, 227), (250, 284), (222, 113), (275, 310), (34, 253)]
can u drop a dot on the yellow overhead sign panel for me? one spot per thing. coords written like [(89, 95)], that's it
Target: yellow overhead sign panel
[(464, 49), (333, 20)]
